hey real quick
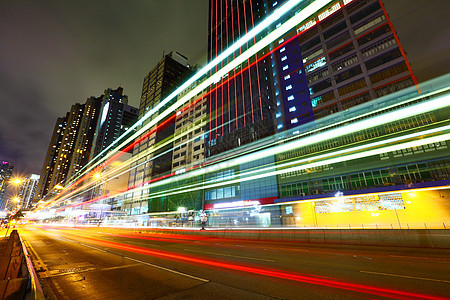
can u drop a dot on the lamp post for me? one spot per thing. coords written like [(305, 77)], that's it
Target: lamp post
[(16, 182)]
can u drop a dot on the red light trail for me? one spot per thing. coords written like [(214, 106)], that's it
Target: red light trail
[(305, 278)]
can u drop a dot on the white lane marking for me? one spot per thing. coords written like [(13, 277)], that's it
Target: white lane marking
[(166, 269), (245, 257), (142, 262), (421, 257), (405, 276)]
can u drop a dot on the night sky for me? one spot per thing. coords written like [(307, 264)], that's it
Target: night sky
[(56, 53)]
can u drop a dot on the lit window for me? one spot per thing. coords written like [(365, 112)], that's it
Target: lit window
[(280, 126), (278, 25), (317, 64), (278, 115), (285, 67), (290, 98), (287, 77), (296, 132), (284, 58), (280, 41), (282, 49), (314, 101), (288, 87), (275, 3), (291, 109), (293, 121)]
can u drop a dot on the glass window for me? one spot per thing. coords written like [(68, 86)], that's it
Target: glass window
[(382, 59)]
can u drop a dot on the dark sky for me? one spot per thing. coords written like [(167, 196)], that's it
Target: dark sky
[(56, 53)]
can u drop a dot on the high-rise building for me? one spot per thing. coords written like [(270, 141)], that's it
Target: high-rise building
[(116, 117), (6, 170), (45, 178), (28, 190), (85, 135), (155, 150), (241, 104), (67, 146), (82, 134)]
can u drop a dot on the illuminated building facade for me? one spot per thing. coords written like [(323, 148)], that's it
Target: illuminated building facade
[(80, 136), (154, 151), (190, 128), (241, 105), (382, 163), (115, 117), (68, 144), (6, 170), (45, 178), (85, 135), (345, 54)]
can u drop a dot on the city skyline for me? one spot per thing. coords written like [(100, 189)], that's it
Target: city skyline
[(33, 100)]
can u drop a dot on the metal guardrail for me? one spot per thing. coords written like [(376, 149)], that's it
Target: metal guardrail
[(18, 279)]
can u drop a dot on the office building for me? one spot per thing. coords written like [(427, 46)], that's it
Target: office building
[(346, 54), (153, 154), (241, 105), (190, 129)]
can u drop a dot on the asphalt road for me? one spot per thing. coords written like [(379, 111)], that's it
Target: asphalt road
[(76, 263)]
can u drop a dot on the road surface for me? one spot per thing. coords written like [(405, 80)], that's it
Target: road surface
[(80, 263)]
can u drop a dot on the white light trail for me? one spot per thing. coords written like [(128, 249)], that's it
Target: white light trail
[(421, 142), (289, 24), (422, 107)]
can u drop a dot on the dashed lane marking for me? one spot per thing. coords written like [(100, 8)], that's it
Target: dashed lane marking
[(405, 276), (236, 256)]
